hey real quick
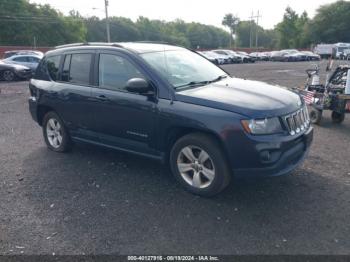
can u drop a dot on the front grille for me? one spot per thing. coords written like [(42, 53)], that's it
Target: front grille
[(297, 121)]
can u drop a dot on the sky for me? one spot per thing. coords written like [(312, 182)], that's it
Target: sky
[(202, 11)]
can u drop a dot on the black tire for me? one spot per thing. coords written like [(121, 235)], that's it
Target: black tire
[(65, 144), (338, 118), (217, 158), (8, 75), (315, 116)]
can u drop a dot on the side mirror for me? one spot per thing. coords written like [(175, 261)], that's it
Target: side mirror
[(139, 86)]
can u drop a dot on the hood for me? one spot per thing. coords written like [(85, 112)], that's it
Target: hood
[(252, 99)]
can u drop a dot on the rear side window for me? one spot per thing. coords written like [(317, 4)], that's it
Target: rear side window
[(52, 64), (79, 72), (21, 59)]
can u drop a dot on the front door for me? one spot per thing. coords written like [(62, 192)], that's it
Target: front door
[(124, 120)]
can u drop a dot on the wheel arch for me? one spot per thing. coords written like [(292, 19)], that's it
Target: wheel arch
[(42, 111), (175, 133)]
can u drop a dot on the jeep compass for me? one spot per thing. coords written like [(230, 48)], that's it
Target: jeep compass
[(171, 104)]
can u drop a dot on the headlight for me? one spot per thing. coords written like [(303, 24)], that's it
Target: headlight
[(265, 126)]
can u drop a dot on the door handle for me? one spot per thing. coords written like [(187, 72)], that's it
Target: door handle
[(102, 98)]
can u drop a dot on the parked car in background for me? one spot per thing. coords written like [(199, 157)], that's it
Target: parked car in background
[(256, 55), (310, 56), (225, 59), (216, 58), (278, 56), (234, 58), (296, 56), (170, 104), (260, 56), (10, 72), (264, 56), (8, 54), (288, 55), (209, 57), (30, 61), (246, 58), (293, 55), (240, 57)]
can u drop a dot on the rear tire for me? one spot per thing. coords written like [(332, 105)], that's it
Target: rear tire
[(199, 164), (338, 118), (55, 133), (315, 116)]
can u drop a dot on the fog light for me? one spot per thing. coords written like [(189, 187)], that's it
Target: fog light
[(265, 156)]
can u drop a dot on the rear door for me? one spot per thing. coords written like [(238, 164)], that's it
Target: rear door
[(74, 87)]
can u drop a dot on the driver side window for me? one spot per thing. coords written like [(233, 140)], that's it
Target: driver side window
[(115, 71)]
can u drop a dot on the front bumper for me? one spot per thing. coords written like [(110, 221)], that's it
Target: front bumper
[(288, 156)]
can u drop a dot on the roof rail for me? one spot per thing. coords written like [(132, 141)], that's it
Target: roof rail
[(70, 45), (154, 42), (88, 44)]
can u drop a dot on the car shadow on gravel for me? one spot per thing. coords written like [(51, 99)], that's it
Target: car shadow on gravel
[(101, 201)]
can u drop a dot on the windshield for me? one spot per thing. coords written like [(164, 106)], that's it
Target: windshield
[(341, 49), (183, 68)]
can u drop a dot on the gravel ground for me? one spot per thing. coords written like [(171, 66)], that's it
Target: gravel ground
[(97, 201)]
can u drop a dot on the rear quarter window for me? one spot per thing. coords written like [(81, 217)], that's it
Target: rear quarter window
[(48, 68), (52, 64)]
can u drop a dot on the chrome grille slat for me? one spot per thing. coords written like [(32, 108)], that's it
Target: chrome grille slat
[(297, 121)]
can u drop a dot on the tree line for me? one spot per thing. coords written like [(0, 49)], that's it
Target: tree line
[(24, 23), (331, 24)]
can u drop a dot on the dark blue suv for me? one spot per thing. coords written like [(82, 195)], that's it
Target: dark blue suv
[(169, 103)]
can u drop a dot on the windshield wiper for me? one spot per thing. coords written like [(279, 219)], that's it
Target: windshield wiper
[(218, 79), (193, 83), (201, 83)]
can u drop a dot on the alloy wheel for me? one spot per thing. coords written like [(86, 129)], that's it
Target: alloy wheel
[(54, 133), (196, 167)]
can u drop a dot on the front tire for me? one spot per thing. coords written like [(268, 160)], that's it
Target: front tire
[(199, 164), (338, 118), (55, 133), (315, 116)]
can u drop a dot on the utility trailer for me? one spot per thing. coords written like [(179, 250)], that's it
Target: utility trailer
[(334, 95)]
